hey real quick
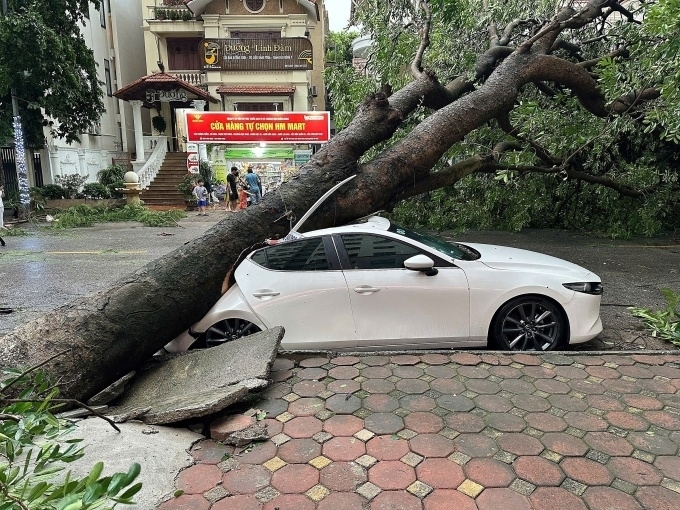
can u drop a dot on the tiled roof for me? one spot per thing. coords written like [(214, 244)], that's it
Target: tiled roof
[(136, 89), (255, 89)]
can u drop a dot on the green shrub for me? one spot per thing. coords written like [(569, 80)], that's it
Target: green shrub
[(94, 190), (114, 189), (112, 174), (71, 183), (186, 186), (33, 452), (52, 191)]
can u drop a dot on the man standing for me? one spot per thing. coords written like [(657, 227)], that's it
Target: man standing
[(253, 182), (232, 180)]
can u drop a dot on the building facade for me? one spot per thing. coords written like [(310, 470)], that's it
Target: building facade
[(113, 33), (248, 55)]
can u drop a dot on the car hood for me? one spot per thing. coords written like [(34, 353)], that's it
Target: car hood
[(514, 259)]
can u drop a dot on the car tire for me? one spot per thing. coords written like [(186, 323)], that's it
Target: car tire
[(226, 330), (529, 323)]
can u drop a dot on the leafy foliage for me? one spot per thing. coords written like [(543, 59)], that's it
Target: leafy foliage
[(639, 152), (34, 454), (95, 190), (112, 174), (71, 183), (51, 191), (663, 323), (45, 59), (86, 216)]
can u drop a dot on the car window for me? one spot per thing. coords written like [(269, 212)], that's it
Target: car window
[(301, 255), (454, 250), (367, 251)]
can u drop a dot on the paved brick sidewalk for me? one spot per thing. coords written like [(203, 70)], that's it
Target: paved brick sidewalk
[(461, 431)]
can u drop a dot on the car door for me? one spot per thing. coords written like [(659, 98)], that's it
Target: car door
[(395, 306), (299, 285)]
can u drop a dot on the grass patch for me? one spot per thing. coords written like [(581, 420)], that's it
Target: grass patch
[(86, 216), (14, 232)]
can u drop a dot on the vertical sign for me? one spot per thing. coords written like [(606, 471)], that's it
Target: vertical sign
[(192, 158)]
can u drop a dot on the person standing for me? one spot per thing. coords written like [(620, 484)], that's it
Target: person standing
[(201, 194), (253, 181), (232, 180)]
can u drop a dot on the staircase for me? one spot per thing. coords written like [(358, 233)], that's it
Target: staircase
[(162, 191)]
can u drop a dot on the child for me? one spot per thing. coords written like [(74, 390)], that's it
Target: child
[(201, 194)]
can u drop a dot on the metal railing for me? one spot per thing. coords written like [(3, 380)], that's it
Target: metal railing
[(153, 164)]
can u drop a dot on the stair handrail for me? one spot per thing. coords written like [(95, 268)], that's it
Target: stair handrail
[(148, 172)]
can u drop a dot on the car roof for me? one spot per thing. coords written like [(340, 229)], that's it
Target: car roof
[(367, 224)]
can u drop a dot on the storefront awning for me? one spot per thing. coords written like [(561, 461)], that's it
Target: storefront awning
[(163, 87), (260, 90)]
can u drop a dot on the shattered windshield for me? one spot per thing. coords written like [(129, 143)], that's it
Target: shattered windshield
[(454, 250)]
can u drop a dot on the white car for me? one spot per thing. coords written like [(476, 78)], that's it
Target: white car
[(373, 285)]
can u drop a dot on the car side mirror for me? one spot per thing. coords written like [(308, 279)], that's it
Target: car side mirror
[(421, 263)]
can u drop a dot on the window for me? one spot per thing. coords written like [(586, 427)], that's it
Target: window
[(375, 252), (254, 5), (107, 78), (102, 15), (269, 34), (301, 255), (183, 54)]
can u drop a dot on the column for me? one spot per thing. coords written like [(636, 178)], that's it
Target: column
[(82, 166), (199, 105), (54, 163), (139, 135)]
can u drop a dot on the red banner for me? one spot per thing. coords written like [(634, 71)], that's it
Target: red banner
[(255, 127)]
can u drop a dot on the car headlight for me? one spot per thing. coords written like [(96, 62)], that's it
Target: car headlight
[(585, 287)]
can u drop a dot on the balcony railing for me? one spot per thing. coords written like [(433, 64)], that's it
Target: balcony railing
[(195, 78), (173, 10)]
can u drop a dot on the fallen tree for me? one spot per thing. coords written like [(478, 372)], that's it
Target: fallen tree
[(114, 331)]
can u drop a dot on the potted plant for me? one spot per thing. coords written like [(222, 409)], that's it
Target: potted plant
[(158, 123), (160, 14), (186, 188)]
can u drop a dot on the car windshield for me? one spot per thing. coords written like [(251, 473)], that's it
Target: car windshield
[(455, 250)]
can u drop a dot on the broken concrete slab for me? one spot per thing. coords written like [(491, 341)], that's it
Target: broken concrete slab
[(200, 382), (161, 451)]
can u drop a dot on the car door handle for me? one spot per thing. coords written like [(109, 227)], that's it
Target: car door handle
[(365, 289), (265, 293)]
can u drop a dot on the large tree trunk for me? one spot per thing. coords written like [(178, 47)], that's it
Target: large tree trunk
[(114, 331)]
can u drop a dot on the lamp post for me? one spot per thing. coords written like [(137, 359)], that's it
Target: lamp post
[(22, 174)]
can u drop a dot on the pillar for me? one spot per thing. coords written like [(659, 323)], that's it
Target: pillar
[(139, 134)]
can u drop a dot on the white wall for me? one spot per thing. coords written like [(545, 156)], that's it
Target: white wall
[(120, 42)]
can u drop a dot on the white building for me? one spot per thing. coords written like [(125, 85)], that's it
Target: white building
[(115, 36)]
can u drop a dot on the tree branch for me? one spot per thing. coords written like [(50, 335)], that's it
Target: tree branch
[(621, 52), (63, 401), (416, 65)]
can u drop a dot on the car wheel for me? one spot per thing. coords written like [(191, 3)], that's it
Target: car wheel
[(227, 330), (529, 323)]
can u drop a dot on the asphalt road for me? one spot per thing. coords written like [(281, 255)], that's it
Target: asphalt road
[(44, 270)]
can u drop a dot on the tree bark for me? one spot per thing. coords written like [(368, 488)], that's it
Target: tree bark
[(112, 332)]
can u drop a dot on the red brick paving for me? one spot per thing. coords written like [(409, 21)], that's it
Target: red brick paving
[(343, 476), (344, 448), (440, 473), (387, 447), (295, 478), (562, 440), (396, 500), (448, 500), (199, 478), (506, 499), (586, 471), (489, 472), (555, 498), (290, 502), (539, 471), (392, 475), (607, 498)]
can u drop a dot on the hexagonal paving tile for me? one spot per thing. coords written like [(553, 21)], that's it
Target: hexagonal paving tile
[(539, 471), (489, 472), (440, 473), (586, 471), (431, 445), (391, 475)]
